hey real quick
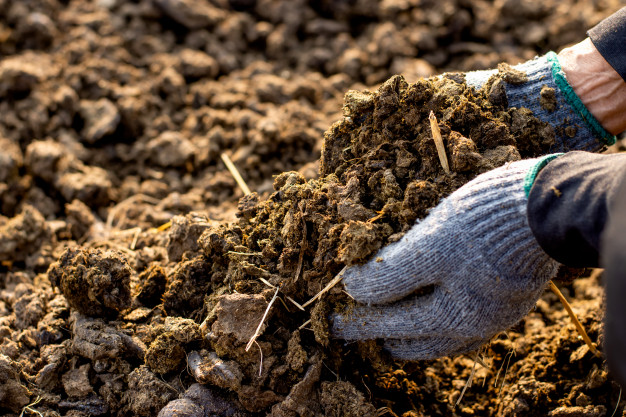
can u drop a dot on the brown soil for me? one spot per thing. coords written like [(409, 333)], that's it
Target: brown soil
[(113, 117)]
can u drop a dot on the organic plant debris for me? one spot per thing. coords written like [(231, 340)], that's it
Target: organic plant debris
[(135, 281)]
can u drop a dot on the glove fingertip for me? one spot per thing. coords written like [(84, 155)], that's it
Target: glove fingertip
[(342, 327), (365, 284), (430, 347)]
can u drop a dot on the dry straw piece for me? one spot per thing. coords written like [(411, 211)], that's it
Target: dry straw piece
[(257, 332), (577, 324), (441, 150), (327, 288), (236, 175)]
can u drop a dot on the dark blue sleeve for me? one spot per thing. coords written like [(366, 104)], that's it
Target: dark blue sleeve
[(569, 205), (614, 262), (609, 38), (577, 212)]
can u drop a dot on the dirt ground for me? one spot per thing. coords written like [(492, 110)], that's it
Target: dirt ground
[(134, 276)]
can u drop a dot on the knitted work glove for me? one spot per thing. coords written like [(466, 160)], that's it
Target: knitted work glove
[(471, 269), (541, 86)]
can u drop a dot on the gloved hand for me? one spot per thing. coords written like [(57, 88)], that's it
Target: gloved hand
[(542, 86), (476, 258)]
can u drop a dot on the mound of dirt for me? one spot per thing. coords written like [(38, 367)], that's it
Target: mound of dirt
[(379, 172), (124, 290)]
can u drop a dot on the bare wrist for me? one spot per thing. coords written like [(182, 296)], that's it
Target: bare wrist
[(597, 84)]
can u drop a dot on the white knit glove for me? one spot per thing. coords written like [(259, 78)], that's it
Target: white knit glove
[(476, 258), (541, 86)]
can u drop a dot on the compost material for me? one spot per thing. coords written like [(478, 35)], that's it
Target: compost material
[(137, 279)]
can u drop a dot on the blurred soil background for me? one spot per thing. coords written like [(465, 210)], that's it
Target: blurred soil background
[(113, 119)]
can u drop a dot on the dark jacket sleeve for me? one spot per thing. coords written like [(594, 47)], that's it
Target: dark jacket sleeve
[(577, 211), (568, 205), (614, 262), (609, 38)]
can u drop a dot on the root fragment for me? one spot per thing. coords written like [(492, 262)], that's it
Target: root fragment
[(327, 288), (261, 361), (269, 284), (32, 410), (507, 361), (468, 383), (258, 329)]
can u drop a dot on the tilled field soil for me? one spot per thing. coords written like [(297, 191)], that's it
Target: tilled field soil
[(113, 119)]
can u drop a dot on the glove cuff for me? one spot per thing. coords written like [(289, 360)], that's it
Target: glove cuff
[(529, 179), (574, 101), (547, 93)]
